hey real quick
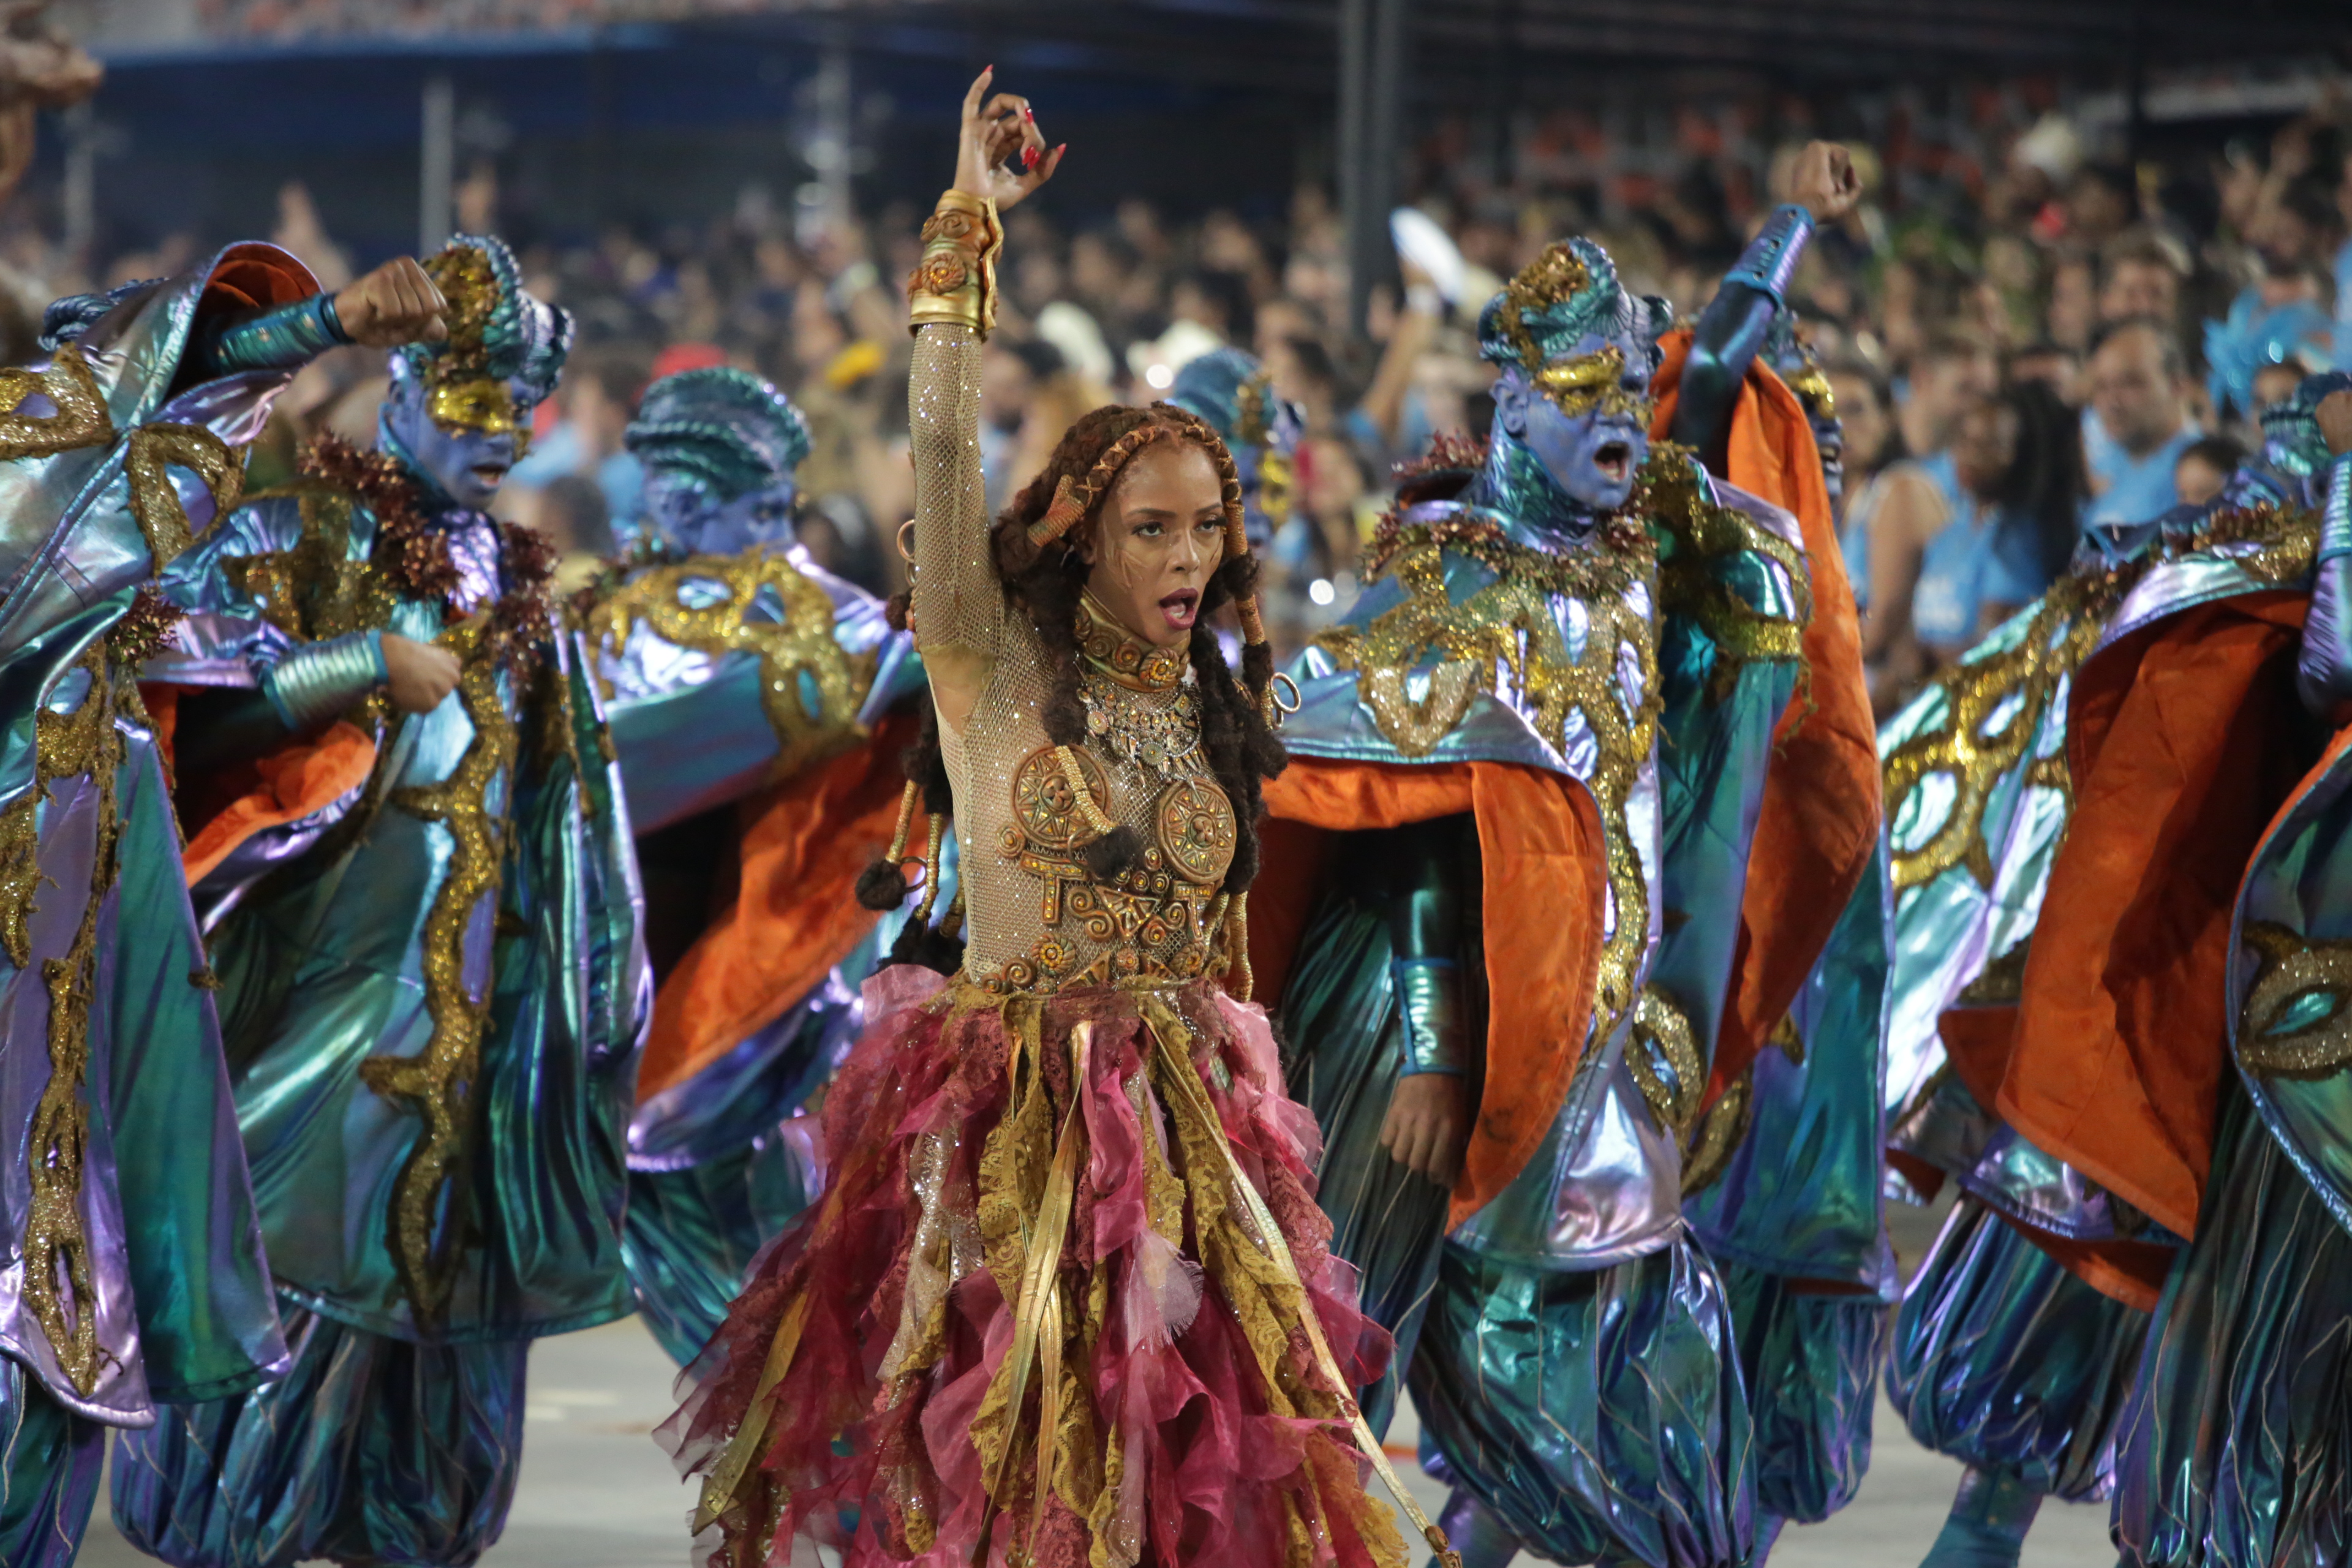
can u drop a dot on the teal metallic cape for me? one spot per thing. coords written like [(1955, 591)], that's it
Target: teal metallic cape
[(150, 1222), (2003, 1358), (1575, 1371), (433, 993), (691, 655), (129, 1190), (473, 903)]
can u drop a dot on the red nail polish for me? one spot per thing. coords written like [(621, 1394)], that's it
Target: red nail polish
[(1028, 157), (988, 71), (1028, 114)]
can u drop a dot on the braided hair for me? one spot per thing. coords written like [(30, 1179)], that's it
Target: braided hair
[(1036, 546)]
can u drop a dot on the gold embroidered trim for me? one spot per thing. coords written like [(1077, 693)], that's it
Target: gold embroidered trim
[(1702, 540), (1509, 631), (437, 1083), (58, 1282), (2064, 626), (1716, 1137), (82, 418), (1664, 1056), (800, 650), (148, 457), (2296, 1021)]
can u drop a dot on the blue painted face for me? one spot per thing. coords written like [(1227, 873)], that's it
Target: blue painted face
[(1588, 421), (468, 463), (682, 508)]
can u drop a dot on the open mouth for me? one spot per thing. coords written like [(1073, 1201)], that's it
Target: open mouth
[(1615, 460), (488, 475), (1180, 607)]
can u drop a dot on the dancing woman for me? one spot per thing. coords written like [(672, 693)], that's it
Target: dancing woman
[(1066, 1297)]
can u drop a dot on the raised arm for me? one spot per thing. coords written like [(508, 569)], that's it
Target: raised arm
[(1733, 326), (2323, 674), (959, 606), (397, 303)]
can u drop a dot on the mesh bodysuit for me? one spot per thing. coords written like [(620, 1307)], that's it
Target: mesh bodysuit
[(1036, 921)]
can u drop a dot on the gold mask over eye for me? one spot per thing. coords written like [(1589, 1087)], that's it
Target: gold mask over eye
[(483, 405), (1592, 383), (1811, 385)]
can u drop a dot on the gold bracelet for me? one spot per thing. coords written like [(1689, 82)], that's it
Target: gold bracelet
[(955, 283)]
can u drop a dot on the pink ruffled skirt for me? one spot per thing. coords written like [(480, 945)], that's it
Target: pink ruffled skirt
[(1067, 1300)]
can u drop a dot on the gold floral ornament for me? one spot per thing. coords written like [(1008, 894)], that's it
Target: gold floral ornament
[(1196, 829), (2297, 1017), (78, 418), (1045, 804), (800, 658), (955, 282), (152, 453)]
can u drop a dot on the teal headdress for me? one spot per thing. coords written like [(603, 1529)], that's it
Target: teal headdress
[(725, 428), (496, 331), (1567, 294), (1235, 393)]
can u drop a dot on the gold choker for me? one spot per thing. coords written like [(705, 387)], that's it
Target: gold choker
[(1122, 656)]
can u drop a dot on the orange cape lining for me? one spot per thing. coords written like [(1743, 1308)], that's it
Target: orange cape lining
[(1818, 822), (2113, 1059), (1544, 897), (796, 914)]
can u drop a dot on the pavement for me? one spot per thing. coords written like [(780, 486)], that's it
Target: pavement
[(597, 1493)]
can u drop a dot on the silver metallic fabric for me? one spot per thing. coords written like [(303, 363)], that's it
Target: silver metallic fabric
[(688, 725), (370, 1449), (2236, 1443), (2004, 1360)]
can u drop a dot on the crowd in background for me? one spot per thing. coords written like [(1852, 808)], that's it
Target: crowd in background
[(2021, 338)]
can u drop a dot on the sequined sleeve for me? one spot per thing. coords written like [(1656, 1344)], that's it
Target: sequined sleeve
[(958, 603)]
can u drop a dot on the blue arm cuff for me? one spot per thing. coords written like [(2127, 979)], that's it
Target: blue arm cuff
[(1429, 998), (277, 339), (316, 682), (1770, 259), (2335, 521)]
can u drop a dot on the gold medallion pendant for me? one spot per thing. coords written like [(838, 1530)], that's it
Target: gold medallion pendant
[(1196, 829), (1045, 807)]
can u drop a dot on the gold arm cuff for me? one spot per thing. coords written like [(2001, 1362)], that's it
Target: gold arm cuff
[(958, 310), (956, 280)]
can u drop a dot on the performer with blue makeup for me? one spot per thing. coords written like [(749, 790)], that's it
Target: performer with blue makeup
[(1782, 1178), (136, 1276), (759, 707), (412, 864), (2023, 980), (1546, 729)]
